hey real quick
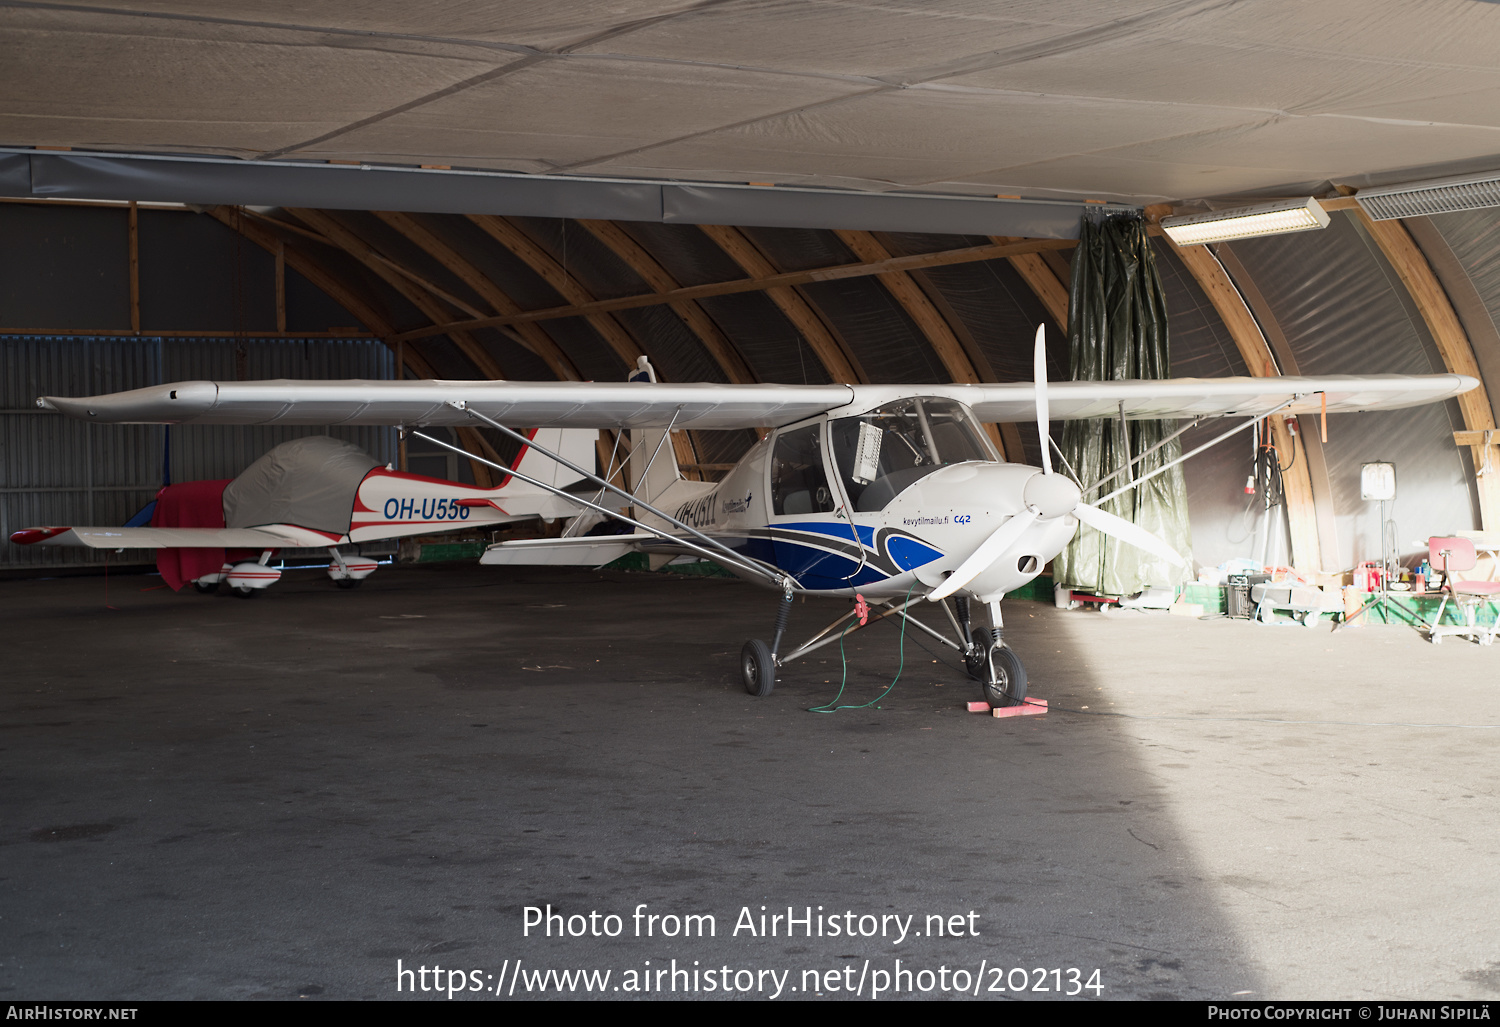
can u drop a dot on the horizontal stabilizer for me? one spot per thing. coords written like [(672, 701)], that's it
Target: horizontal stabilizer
[(585, 551)]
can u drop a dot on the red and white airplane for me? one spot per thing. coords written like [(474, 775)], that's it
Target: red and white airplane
[(319, 491)]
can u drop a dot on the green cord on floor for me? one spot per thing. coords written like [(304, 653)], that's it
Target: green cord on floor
[(829, 706)]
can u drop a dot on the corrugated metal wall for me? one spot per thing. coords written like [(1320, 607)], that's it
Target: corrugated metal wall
[(56, 471)]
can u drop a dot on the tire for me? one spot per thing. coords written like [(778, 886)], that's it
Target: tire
[(206, 589), (245, 591), (757, 668), (1009, 685), (347, 582)]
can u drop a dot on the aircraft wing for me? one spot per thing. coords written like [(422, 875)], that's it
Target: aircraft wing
[(706, 405), (523, 404), (171, 538), (1195, 397)]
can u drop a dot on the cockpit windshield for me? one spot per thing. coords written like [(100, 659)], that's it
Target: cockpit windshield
[(881, 453)]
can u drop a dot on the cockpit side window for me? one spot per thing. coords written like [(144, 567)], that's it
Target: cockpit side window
[(881, 453), (799, 482)]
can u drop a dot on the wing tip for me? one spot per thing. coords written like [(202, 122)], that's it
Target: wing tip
[(31, 536)]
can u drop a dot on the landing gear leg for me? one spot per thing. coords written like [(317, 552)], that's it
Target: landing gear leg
[(758, 660), (961, 603), (1001, 675)]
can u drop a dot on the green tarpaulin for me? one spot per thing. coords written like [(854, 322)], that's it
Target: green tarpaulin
[(1117, 328)]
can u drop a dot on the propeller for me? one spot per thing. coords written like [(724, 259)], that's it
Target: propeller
[(1039, 377), (1127, 531), (1048, 495)]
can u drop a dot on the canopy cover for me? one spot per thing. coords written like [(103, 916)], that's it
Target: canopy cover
[(310, 482)]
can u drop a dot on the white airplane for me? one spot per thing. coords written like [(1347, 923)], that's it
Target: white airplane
[(889, 492), (323, 492)]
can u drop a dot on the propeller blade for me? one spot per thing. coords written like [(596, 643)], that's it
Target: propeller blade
[(1125, 531), (990, 550), (1039, 373)]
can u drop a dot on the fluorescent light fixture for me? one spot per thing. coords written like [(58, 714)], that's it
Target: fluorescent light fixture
[(1435, 196), (1246, 222)]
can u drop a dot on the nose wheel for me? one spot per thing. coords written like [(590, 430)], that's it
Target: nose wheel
[(1002, 676), (999, 671)]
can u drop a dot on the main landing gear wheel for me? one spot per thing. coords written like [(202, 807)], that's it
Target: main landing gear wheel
[(757, 668), (1006, 681), (207, 588), (348, 582), (245, 591)]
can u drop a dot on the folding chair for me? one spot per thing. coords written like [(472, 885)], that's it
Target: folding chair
[(1457, 554)]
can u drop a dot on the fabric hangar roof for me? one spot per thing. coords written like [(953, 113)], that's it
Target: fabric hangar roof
[(1138, 101)]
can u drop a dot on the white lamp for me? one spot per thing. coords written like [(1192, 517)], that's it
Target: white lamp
[(1377, 481), (1246, 222)]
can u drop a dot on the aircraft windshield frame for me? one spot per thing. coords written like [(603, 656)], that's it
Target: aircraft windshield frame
[(882, 452)]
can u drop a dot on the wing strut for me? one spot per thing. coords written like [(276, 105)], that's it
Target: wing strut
[(737, 560), (723, 554), (1186, 456), (1137, 459)]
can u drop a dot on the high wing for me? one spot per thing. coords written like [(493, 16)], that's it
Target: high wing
[(1213, 397), (279, 536), (704, 405), (528, 404)]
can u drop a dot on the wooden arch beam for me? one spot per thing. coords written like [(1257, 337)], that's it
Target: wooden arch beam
[(362, 308), (341, 292), (625, 345), (1416, 274), (1013, 448), (763, 283), (505, 232), (638, 259), (835, 357), (1043, 282), (529, 335), (929, 320), (431, 306), (1234, 312), (938, 332)]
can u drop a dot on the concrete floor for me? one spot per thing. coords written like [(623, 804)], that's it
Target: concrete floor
[(281, 797)]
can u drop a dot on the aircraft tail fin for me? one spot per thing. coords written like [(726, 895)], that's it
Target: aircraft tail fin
[(574, 444)]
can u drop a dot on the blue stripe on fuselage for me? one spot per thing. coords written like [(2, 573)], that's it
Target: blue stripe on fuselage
[(814, 569), (817, 568), (908, 553), (835, 529)]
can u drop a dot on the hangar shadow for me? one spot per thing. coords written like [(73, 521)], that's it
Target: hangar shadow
[(311, 785)]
